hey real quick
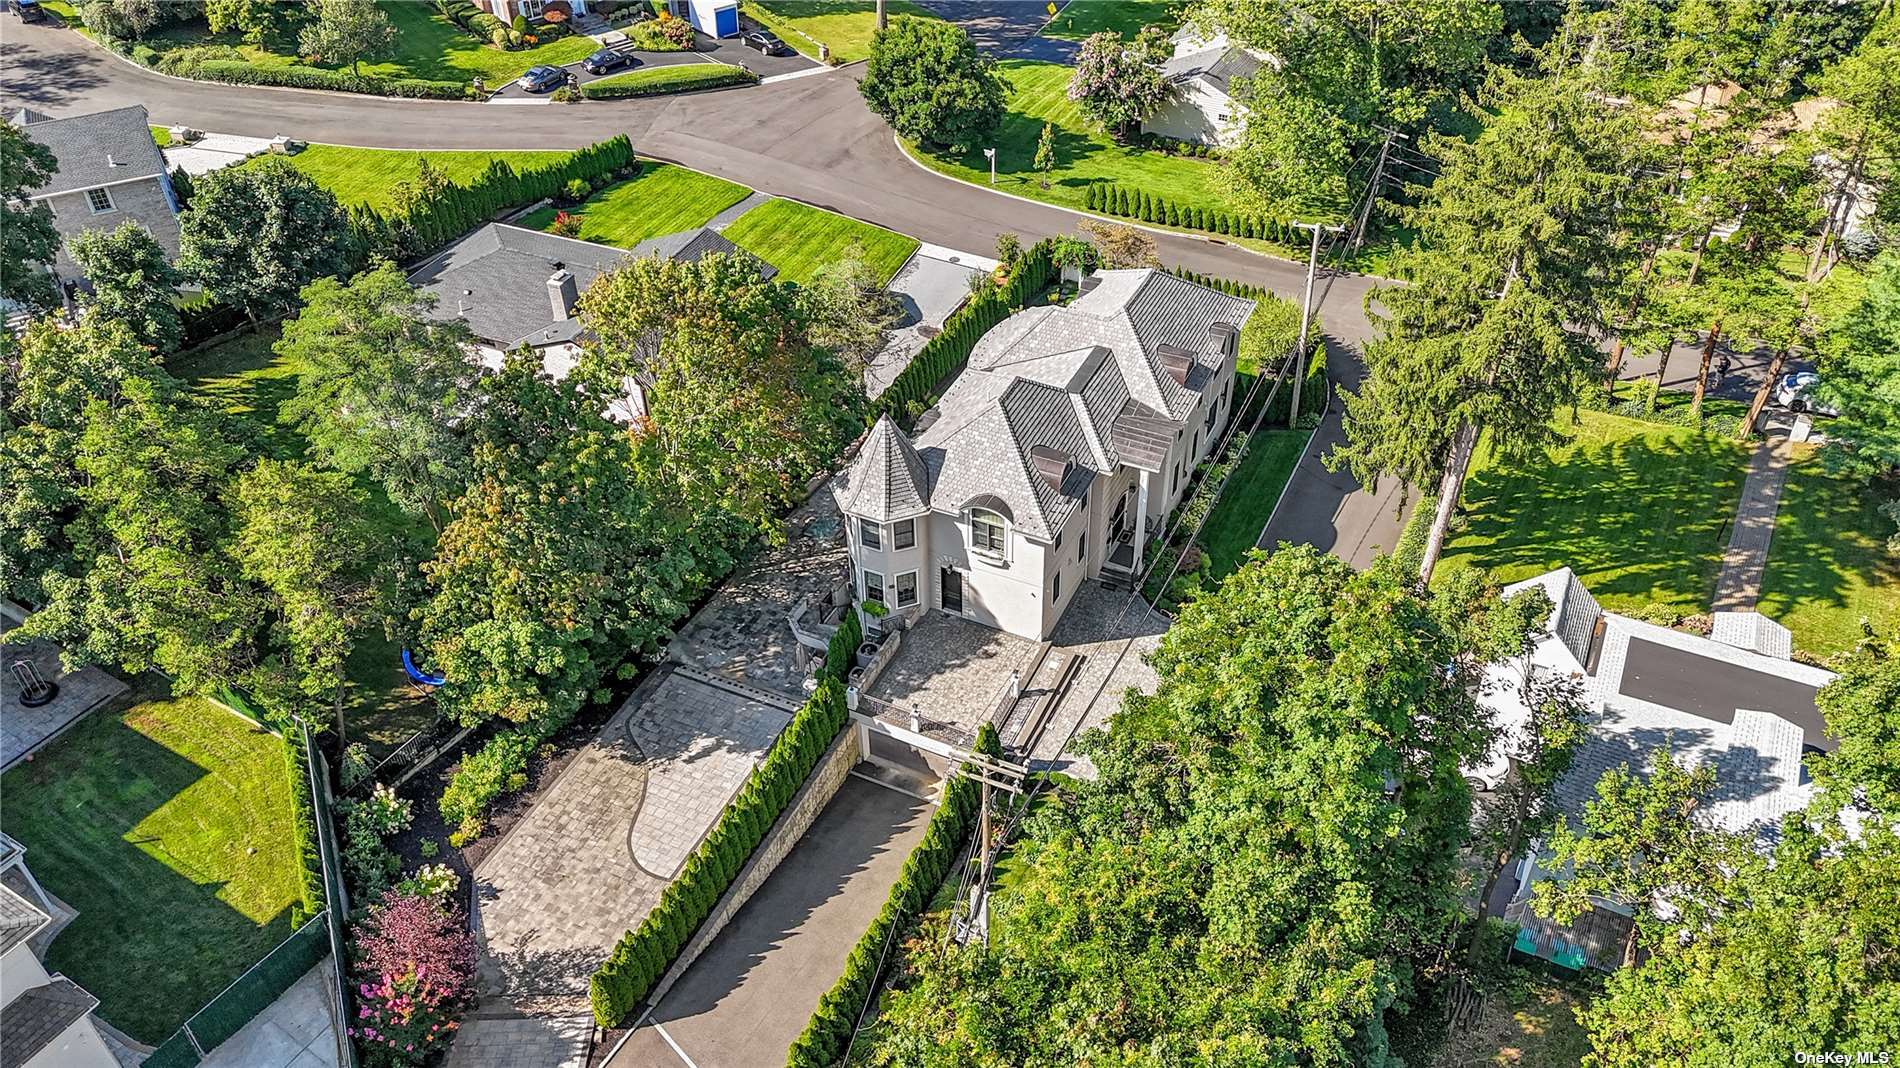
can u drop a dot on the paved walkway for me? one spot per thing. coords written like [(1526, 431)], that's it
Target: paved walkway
[(1746, 558), (592, 856), (521, 1042), (295, 1031), (27, 729), (731, 215)]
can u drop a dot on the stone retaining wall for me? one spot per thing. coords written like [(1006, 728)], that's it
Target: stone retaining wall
[(827, 777)]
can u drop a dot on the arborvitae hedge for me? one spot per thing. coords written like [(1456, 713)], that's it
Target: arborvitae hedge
[(461, 208), (642, 955), (943, 355), (828, 1032), (1136, 203)]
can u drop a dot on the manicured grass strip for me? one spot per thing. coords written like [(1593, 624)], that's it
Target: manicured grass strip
[(1084, 154), (679, 78), (845, 25), (369, 175), (248, 381), (169, 827), (1080, 18), (661, 199), (1639, 510), (1828, 564), (798, 239), (1252, 490)]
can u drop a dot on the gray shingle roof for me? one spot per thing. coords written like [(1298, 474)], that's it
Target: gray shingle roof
[(888, 480), (1219, 67), (496, 278), (691, 246), (19, 919), (38, 1016), (96, 149)]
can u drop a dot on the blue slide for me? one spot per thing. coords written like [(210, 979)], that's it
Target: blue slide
[(415, 673)]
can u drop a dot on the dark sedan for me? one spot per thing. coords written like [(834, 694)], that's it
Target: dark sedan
[(542, 79), (606, 61), (767, 43)]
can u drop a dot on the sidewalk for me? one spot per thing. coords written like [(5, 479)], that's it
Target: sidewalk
[(1746, 558)]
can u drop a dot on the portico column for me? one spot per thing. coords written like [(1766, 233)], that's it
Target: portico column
[(1141, 519)]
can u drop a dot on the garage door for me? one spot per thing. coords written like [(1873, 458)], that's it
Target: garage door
[(727, 19)]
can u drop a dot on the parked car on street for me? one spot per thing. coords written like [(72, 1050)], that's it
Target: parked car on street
[(30, 10), (766, 42), (542, 79), (1795, 392), (606, 61)]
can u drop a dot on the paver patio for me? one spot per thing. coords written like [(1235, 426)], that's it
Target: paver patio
[(26, 729), (580, 869), (951, 672)]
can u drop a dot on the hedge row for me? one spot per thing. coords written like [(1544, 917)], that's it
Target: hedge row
[(461, 208), (242, 72), (655, 81), (643, 955), (828, 1033), (943, 355), (1131, 202)]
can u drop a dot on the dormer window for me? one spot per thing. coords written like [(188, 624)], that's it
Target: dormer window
[(987, 531), (870, 535)]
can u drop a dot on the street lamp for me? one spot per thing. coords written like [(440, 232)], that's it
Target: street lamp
[(991, 154)]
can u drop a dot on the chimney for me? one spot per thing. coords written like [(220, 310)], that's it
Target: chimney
[(562, 293)]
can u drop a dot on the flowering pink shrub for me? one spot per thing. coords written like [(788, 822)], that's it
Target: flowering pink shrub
[(415, 976), (1118, 83)]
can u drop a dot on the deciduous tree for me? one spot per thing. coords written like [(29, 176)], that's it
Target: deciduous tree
[(850, 311), (1860, 377), (255, 235), (132, 283), (348, 31), (28, 241), (1118, 83), (926, 78)]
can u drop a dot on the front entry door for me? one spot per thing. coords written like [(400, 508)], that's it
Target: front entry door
[(950, 581)]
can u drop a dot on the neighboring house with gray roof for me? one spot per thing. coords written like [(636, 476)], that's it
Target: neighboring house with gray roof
[(45, 1019), (517, 287), (1205, 78), (1734, 701), (110, 171), (1068, 438)]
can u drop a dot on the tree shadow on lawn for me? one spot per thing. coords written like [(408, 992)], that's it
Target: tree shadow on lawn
[(1829, 543), (153, 939), (1639, 519)]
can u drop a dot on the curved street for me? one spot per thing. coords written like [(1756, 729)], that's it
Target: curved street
[(808, 138)]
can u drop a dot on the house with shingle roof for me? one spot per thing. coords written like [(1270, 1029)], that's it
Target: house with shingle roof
[(1205, 79), (1052, 459), (1734, 700), (46, 1019), (110, 171), (520, 288)]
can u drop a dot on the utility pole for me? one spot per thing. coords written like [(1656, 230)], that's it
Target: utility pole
[(1372, 190), (1306, 317), (883, 21)]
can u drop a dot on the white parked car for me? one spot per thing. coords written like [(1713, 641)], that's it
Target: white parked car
[(1795, 392)]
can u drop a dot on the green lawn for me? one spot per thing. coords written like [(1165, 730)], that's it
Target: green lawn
[(245, 379), (161, 136), (1084, 17), (798, 239), (1640, 511), (661, 199), (845, 25), (1235, 524), (366, 175), (1828, 564), (674, 78), (169, 827), (1084, 154), (427, 46)]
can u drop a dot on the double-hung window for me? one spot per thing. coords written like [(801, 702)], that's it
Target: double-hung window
[(906, 589), (873, 586), (986, 531), (904, 534), (100, 200), (870, 535)]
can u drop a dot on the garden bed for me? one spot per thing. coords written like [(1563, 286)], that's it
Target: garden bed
[(170, 826)]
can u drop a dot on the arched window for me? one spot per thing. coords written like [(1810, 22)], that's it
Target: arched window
[(986, 530)]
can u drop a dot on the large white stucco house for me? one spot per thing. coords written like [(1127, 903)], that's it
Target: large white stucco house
[(1203, 76), (1734, 700), (1051, 459)]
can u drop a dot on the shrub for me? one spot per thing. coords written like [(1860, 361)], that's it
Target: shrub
[(662, 35), (642, 955), (565, 225), (655, 81), (242, 72), (501, 766), (576, 189), (415, 975), (370, 863), (927, 79), (828, 1032), (435, 881)]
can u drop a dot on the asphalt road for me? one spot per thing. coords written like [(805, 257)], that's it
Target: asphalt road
[(809, 139)]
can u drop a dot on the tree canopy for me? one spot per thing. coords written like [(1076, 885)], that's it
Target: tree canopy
[(132, 283), (926, 78), (28, 241), (256, 235)]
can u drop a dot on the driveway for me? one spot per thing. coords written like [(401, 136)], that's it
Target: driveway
[(744, 1001), (997, 26), (731, 50), (514, 92)]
